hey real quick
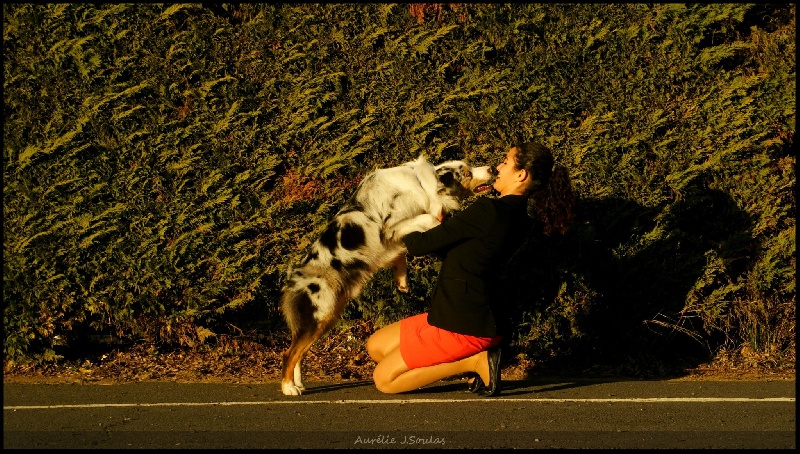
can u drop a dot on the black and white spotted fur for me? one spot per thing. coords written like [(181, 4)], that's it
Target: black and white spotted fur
[(364, 237)]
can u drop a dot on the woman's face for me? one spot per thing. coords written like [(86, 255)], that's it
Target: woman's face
[(506, 172)]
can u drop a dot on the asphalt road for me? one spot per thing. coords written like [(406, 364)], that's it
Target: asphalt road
[(541, 413)]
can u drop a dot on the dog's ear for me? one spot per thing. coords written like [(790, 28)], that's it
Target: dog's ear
[(446, 178)]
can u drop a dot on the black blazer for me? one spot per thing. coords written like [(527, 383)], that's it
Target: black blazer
[(475, 244)]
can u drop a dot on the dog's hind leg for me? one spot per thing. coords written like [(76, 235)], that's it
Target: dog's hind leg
[(298, 375), (292, 384), (400, 271), (291, 367)]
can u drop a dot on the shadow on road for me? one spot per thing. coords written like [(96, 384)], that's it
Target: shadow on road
[(336, 386), (524, 386), (511, 387)]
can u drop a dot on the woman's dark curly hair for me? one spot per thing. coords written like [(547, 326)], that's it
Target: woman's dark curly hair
[(550, 187)]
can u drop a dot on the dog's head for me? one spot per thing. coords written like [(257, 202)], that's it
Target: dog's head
[(459, 179)]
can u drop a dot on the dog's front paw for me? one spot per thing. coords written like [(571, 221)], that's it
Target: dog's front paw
[(429, 221), (290, 389)]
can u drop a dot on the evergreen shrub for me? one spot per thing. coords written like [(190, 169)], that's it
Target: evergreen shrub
[(164, 164)]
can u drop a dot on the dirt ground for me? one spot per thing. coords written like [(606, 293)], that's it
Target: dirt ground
[(338, 356)]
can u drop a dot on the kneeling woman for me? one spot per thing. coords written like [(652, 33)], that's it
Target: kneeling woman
[(467, 321)]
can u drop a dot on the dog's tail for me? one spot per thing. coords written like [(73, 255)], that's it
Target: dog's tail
[(297, 308)]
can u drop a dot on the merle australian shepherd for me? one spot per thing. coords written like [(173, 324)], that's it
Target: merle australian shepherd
[(363, 237)]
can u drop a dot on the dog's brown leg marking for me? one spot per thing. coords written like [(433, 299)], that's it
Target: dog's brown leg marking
[(400, 268), (300, 345), (302, 342)]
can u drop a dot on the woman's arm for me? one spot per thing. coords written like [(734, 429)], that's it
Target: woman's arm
[(473, 221)]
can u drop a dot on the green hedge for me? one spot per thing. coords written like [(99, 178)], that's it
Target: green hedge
[(164, 164)]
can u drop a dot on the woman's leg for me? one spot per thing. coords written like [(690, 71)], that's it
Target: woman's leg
[(393, 376), (383, 341)]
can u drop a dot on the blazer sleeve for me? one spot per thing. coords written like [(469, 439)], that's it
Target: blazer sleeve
[(474, 221)]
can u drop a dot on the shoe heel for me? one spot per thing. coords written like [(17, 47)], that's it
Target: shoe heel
[(493, 389)]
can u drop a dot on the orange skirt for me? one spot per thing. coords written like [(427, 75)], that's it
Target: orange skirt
[(424, 345)]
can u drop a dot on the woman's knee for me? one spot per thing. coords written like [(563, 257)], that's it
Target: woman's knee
[(378, 380), (382, 380), (374, 348), (388, 372), (383, 341)]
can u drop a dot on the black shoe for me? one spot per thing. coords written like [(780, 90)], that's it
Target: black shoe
[(493, 388), (476, 384)]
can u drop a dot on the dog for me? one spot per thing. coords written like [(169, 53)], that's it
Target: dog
[(364, 237)]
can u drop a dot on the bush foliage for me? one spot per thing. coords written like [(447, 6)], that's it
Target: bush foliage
[(164, 164)]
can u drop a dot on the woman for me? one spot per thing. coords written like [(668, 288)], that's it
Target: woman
[(467, 322)]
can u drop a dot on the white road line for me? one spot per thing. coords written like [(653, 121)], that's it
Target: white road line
[(404, 401)]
